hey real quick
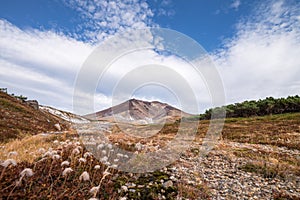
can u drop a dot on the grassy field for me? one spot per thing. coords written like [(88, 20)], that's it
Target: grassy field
[(279, 130), (256, 141)]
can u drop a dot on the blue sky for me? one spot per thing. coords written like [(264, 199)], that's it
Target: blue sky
[(208, 22), (253, 44)]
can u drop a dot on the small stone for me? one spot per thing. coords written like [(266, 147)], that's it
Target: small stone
[(124, 188), (168, 184)]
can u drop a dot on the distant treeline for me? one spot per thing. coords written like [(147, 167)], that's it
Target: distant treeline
[(261, 107)]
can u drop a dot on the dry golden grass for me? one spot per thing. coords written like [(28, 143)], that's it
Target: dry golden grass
[(279, 130), (269, 163), (193, 192), (26, 146)]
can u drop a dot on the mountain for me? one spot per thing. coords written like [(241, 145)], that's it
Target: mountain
[(139, 111), (19, 118)]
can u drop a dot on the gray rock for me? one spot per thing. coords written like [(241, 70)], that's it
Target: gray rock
[(168, 184)]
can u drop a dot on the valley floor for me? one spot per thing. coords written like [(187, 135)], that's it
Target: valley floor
[(256, 158)]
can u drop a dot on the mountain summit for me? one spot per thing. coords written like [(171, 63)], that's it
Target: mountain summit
[(139, 111)]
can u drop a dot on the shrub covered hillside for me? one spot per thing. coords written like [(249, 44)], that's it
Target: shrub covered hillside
[(18, 119), (262, 107)]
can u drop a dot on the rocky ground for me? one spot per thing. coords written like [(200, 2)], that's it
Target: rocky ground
[(224, 175)]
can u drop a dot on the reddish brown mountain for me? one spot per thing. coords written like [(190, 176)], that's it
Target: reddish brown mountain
[(139, 111)]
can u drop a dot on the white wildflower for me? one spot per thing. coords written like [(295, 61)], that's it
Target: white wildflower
[(87, 154), (55, 142), (65, 163), (138, 146), (100, 146), (123, 198), (67, 171), (104, 159), (47, 154), (56, 157), (93, 198), (126, 156), (41, 150), (119, 155), (76, 151), (26, 172), (82, 160), (12, 153), (116, 160), (94, 190), (54, 152), (97, 167), (103, 152), (9, 162), (109, 146), (77, 143), (114, 166), (84, 176)]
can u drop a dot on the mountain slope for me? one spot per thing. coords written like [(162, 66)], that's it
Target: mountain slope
[(139, 111), (18, 119), (67, 116)]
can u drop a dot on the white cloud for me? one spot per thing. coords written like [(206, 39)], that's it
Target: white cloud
[(41, 65), (44, 64), (167, 76), (111, 17), (235, 4), (262, 59)]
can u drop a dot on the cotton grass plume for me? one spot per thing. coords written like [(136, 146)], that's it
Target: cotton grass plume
[(97, 167), (84, 176), (26, 172), (76, 151), (82, 160), (65, 163), (94, 190), (8, 162), (5, 164), (56, 157), (67, 171), (87, 154), (12, 153)]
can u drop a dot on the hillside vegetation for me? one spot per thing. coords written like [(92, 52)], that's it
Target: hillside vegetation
[(18, 119), (261, 107)]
